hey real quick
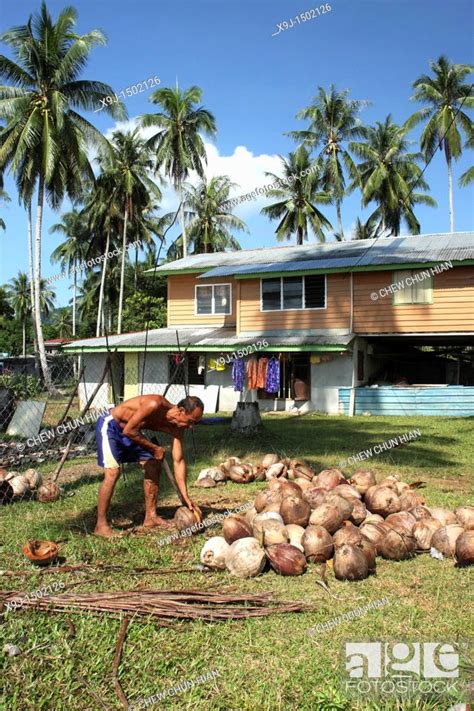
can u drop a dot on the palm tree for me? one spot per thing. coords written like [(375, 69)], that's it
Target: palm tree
[(71, 252), (130, 164), (445, 93), (45, 138), (334, 120), (388, 175), (3, 197), (297, 197), (209, 218), (371, 229), (178, 146), (467, 177), (64, 323), (19, 298)]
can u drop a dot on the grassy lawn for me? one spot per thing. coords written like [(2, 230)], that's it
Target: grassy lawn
[(266, 664)]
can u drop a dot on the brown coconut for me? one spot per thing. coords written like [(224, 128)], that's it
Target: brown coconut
[(348, 533), (420, 512), (304, 484), (401, 521), (274, 532), (359, 512), (302, 470), (370, 552), (265, 498), (315, 496), (51, 492), (183, 518), (318, 544), (269, 459), (329, 478), (465, 516), (374, 531), (341, 503), (206, 482), (464, 550), (275, 470), (423, 531), (328, 516), (382, 500), (350, 563), (362, 480), (444, 515), (234, 527), (295, 535), (347, 491), (284, 487), (397, 545), (241, 474), (286, 559), (409, 499), (444, 539), (295, 510)]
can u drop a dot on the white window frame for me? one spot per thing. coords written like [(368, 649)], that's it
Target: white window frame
[(304, 308), (213, 313), (410, 273)]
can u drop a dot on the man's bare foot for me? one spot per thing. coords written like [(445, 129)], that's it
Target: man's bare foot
[(105, 531), (155, 522)]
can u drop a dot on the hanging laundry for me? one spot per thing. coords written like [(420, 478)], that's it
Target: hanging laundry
[(216, 364), (201, 364), (252, 368), (238, 374), (272, 384), (262, 372)]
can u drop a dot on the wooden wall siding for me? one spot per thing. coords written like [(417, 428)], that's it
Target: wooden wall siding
[(452, 401), (452, 308), (335, 315), (181, 306)]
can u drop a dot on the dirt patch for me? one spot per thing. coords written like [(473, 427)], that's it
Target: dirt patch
[(447, 485), (78, 471)]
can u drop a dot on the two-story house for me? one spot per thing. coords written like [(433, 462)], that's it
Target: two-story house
[(383, 326)]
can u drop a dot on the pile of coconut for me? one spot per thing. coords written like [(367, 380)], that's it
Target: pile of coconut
[(315, 518), (15, 486), (233, 469)]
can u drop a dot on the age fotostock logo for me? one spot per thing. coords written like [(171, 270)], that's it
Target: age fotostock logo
[(398, 668)]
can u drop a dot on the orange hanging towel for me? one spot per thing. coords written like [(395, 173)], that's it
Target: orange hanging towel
[(252, 368), (262, 372)]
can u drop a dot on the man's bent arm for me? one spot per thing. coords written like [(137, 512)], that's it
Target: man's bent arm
[(179, 465), (135, 424)]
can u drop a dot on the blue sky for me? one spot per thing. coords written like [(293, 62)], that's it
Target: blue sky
[(255, 83)]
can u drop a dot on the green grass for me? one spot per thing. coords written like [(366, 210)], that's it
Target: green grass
[(267, 664)]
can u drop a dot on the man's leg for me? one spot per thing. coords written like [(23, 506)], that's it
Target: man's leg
[(105, 494), (151, 470)]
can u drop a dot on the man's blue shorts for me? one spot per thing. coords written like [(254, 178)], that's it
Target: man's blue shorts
[(113, 448)]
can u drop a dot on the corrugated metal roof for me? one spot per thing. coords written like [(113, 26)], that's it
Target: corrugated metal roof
[(165, 338), (334, 255)]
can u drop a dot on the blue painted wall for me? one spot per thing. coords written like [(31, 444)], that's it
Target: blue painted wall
[(450, 401)]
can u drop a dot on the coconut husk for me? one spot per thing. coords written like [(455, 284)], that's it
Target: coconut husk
[(40, 552)]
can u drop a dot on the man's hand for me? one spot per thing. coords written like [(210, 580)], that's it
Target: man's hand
[(196, 511), (158, 453)]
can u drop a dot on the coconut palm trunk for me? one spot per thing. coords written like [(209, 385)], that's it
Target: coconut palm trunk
[(24, 337), (31, 274), (181, 218), (450, 191), (37, 285), (122, 269), (102, 285), (339, 218)]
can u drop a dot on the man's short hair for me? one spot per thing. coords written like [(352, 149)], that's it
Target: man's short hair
[(190, 403)]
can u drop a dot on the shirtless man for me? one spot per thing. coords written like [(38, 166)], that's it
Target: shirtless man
[(119, 440)]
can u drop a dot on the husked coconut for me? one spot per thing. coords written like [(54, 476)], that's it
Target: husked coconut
[(245, 558), (401, 521), (465, 516), (397, 545), (328, 516), (266, 497), (275, 470), (347, 491), (409, 499), (370, 552), (269, 459), (250, 515), (329, 478), (284, 487), (318, 544), (205, 483), (382, 500), (464, 549), (374, 531), (234, 527), (348, 533), (350, 563), (19, 484), (362, 480), (403, 487), (373, 518), (296, 510), (34, 478), (183, 518), (274, 532), (420, 512), (423, 531), (213, 553), (304, 484), (257, 525), (48, 492), (302, 470), (344, 505), (286, 559), (295, 535), (215, 473), (241, 473), (315, 496), (258, 472), (444, 515), (359, 512), (444, 539)]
